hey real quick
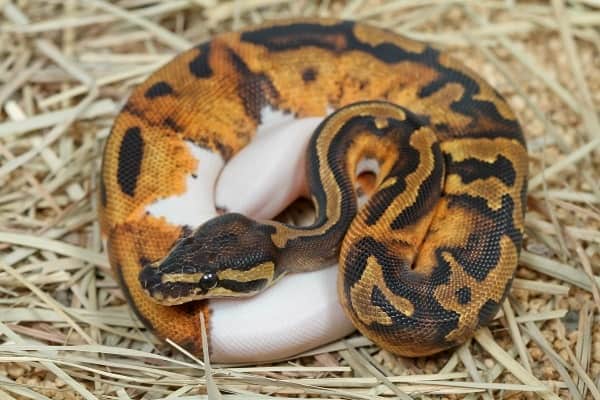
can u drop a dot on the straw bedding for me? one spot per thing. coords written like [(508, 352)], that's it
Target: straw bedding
[(66, 68)]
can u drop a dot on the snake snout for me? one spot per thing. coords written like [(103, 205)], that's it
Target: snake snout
[(149, 278), (176, 288)]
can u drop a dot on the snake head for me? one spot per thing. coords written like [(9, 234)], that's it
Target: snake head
[(228, 256)]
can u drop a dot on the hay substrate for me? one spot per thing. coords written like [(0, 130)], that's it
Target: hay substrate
[(66, 68)]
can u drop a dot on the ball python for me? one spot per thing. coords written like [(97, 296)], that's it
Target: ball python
[(424, 262)]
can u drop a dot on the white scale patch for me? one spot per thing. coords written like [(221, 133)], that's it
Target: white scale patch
[(300, 311), (269, 173), (271, 118), (366, 165), (296, 314), (196, 205)]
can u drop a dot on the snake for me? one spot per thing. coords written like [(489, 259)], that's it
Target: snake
[(422, 263)]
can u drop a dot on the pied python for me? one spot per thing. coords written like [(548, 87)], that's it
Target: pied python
[(424, 263)]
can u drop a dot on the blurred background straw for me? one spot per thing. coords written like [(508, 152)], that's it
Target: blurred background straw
[(66, 68)]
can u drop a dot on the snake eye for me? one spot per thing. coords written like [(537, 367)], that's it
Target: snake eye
[(208, 281)]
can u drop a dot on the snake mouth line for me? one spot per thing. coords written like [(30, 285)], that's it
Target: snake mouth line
[(173, 289)]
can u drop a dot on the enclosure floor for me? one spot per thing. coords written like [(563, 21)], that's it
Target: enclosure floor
[(66, 68)]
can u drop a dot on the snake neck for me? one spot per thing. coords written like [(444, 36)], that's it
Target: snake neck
[(373, 136)]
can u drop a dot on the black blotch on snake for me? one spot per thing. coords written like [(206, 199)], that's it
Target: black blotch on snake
[(159, 89), (131, 153)]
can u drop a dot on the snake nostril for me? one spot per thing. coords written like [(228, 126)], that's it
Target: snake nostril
[(148, 277), (208, 281)]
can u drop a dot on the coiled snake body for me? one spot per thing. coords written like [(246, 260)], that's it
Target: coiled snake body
[(423, 264)]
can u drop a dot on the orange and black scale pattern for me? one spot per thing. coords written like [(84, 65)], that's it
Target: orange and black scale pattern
[(423, 264)]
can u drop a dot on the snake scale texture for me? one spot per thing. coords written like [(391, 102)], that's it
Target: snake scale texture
[(422, 264)]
